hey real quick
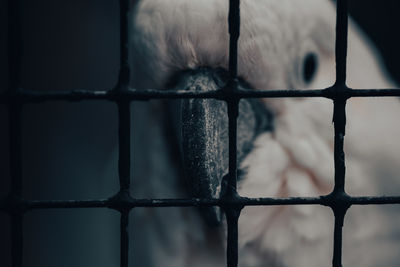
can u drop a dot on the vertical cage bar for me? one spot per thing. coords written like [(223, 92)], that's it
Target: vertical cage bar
[(124, 133), (16, 184), (232, 217), (124, 238), (341, 41), (339, 120), (233, 103), (232, 115), (16, 239), (124, 72), (340, 205), (14, 65), (234, 32), (232, 213), (337, 243)]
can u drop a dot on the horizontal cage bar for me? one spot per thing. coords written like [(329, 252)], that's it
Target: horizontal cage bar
[(31, 96)]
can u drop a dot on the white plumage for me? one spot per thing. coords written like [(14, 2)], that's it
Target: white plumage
[(296, 159)]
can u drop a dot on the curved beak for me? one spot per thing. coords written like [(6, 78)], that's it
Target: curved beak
[(204, 135)]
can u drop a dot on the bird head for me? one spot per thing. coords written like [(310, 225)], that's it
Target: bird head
[(183, 45)]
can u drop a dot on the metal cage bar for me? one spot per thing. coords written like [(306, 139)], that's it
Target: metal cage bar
[(15, 97), (232, 212), (124, 135), (14, 206), (339, 208), (32, 97)]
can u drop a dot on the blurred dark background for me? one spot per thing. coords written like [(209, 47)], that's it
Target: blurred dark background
[(73, 44), (380, 20)]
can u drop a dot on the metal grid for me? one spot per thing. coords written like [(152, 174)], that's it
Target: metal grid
[(122, 95)]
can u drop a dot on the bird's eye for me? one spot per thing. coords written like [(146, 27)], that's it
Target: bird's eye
[(310, 65)]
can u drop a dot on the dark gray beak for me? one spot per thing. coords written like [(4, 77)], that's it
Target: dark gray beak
[(204, 135)]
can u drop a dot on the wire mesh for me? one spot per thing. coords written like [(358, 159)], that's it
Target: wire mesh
[(15, 97)]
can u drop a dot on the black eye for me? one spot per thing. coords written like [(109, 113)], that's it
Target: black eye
[(310, 67)]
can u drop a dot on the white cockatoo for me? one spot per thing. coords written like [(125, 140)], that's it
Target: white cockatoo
[(285, 146)]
